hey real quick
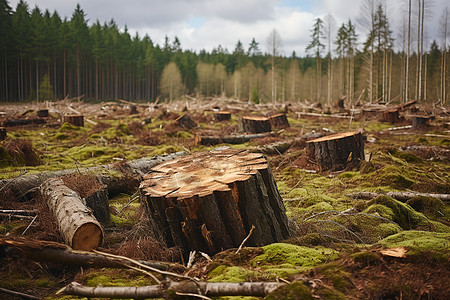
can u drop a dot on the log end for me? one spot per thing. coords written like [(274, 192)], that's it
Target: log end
[(88, 236)]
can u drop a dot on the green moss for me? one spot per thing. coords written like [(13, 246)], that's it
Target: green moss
[(346, 175), (287, 254), (392, 176), (229, 274), (340, 278), (420, 241), (444, 142), (422, 140), (107, 277), (330, 294), (407, 156), (366, 167), (66, 126), (366, 258), (294, 291), (61, 136), (166, 149), (184, 134), (5, 159), (123, 220), (432, 207)]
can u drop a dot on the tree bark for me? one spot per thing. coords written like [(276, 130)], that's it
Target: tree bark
[(255, 124), (76, 222), (420, 122), (186, 122), (222, 116), (228, 139), (392, 116), (77, 120), (335, 152), (279, 121), (121, 177), (209, 289), (208, 201)]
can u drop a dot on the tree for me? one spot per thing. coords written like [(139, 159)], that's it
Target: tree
[(80, 37), (329, 28), (444, 34), (253, 49), (45, 88), (317, 46), (171, 83), (5, 40), (273, 47)]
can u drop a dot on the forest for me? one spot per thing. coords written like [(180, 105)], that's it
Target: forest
[(47, 57)]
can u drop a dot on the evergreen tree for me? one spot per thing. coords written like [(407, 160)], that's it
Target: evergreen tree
[(317, 46), (45, 88)]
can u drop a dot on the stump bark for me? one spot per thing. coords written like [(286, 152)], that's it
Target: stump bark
[(420, 122), (335, 152), (392, 116), (2, 133), (186, 122), (222, 116), (42, 113), (76, 222), (208, 201), (279, 121), (255, 124), (77, 120)]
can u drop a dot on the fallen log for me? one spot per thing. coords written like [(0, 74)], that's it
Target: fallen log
[(208, 201), (400, 196), (20, 122), (76, 222), (46, 251), (228, 139), (121, 177), (182, 288)]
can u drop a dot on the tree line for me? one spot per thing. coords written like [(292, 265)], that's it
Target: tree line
[(46, 57)]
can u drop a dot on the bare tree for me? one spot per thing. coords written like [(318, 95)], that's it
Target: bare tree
[(444, 34), (171, 83), (274, 48), (330, 26)]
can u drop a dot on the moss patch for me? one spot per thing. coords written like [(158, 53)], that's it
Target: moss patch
[(294, 291)]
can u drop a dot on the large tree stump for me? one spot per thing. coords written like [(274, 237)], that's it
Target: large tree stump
[(208, 201), (42, 113), (77, 120), (76, 223), (255, 124), (392, 116), (420, 122), (222, 116), (334, 152), (279, 121)]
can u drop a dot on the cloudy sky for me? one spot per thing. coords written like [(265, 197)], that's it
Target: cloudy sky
[(205, 24)]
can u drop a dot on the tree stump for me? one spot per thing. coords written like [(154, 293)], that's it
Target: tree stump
[(42, 113), (186, 122), (132, 109), (2, 133), (208, 201), (255, 124), (76, 223), (77, 120), (335, 152), (222, 116), (420, 122), (392, 116), (279, 121)]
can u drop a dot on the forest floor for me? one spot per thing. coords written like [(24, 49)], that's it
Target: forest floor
[(339, 240)]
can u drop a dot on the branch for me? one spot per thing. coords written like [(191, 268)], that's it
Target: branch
[(245, 240)]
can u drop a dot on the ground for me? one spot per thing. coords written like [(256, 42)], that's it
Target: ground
[(336, 250)]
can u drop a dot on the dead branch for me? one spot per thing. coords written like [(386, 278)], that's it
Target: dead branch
[(18, 294), (400, 196), (209, 289), (245, 240)]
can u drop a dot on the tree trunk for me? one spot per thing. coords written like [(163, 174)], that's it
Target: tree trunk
[(77, 120), (335, 152), (392, 116), (42, 113), (208, 201), (279, 121), (420, 122), (186, 122), (228, 139), (255, 124), (76, 222), (222, 116)]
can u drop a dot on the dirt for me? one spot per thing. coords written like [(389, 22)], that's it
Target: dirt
[(399, 160)]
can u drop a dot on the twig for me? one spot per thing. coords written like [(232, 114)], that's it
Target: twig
[(208, 258), (6, 185), (133, 198), (322, 213), (343, 227), (146, 273), (22, 295), (193, 295), (144, 266), (191, 259), (29, 225), (245, 240)]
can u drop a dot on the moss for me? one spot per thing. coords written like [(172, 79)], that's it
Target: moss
[(392, 176), (107, 277), (347, 175), (407, 156), (122, 129), (340, 278), (330, 294), (366, 258), (184, 134), (287, 254), (294, 291), (5, 159), (122, 221), (166, 149), (432, 207), (422, 140), (444, 142), (366, 167), (420, 241), (66, 126), (61, 136), (229, 274)]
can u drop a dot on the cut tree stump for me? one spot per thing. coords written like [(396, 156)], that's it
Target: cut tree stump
[(255, 124), (335, 152), (222, 116), (42, 113), (2, 133), (279, 121), (77, 120), (392, 116), (420, 122), (186, 122), (209, 201), (228, 139), (77, 225)]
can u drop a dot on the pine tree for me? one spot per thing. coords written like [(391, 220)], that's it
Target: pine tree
[(317, 47)]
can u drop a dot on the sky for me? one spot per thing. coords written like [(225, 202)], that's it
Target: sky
[(206, 24)]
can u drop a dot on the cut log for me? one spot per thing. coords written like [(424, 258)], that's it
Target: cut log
[(42, 113), (2, 133), (76, 120), (335, 152), (208, 201), (255, 124), (420, 122), (76, 222), (20, 122), (222, 116), (392, 116), (121, 177), (228, 139), (279, 121), (185, 121)]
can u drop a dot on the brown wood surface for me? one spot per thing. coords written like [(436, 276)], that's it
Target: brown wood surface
[(255, 124), (420, 122), (186, 122), (279, 121), (77, 120), (335, 152), (392, 116), (42, 113), (208, 201), (2, 133), (222, 115)]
